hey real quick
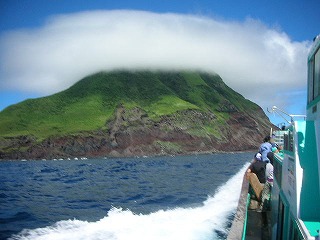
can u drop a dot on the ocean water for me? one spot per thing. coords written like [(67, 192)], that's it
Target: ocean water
[(182, 197)]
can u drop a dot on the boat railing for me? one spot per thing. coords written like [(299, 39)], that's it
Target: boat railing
[(238, 227), (284, 115)]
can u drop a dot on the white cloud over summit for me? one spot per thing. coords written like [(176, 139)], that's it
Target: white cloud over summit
[(260, 62)]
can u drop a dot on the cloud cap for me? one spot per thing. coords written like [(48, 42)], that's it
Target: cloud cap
[(251, 57)]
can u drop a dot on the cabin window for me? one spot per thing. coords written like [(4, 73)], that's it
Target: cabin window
[(294, 235), (311, 80), (288, 141), (317, 74), (280, 220), (314, 76)]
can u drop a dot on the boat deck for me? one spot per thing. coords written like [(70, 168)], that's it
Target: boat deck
[(248, 222), (258, 225)]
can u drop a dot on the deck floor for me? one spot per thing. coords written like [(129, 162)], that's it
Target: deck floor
[(258, 225)]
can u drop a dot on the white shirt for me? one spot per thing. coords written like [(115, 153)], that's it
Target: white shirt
[(269, 173)]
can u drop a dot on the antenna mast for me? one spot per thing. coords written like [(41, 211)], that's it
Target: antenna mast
[(281, 113)]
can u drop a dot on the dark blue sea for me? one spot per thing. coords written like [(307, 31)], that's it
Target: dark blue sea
[(180, 197)]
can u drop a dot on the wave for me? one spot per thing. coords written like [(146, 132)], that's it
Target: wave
[(208, 221)]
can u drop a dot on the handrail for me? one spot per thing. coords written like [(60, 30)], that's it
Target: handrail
[(281, 113), (244, 233), (239, 222)]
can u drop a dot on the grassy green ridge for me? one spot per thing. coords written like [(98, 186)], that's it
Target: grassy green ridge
[(92, 101)]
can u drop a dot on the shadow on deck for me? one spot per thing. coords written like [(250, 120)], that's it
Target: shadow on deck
[(249, 224), (258, 225)]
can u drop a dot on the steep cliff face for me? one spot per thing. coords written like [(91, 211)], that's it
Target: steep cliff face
[(214, 118), (131, 133)]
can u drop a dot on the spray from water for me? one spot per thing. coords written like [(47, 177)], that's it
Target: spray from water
[(207, 221)]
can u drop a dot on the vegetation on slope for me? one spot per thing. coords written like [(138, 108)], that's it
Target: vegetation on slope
[(91, 103)]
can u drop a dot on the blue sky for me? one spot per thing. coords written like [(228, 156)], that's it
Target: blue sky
[(261, 46)]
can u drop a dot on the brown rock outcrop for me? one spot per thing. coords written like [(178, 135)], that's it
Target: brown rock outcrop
[(133, 133)]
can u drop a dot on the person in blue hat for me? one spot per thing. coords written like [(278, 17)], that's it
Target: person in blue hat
[(265, 148)]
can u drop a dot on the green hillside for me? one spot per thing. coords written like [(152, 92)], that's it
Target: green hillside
[(91, 103)]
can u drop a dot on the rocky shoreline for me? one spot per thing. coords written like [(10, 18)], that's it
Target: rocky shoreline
[(133, 134)]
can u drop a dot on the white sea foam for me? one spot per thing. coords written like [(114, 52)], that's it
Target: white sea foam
[(181, 223)]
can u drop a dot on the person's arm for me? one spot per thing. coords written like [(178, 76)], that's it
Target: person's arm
[(250, 167)]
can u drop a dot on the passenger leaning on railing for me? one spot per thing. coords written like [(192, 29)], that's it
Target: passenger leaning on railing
[(266, 191), (258, 166), (256, 175)]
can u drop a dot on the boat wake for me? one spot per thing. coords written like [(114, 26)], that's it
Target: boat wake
[(208, 221)]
